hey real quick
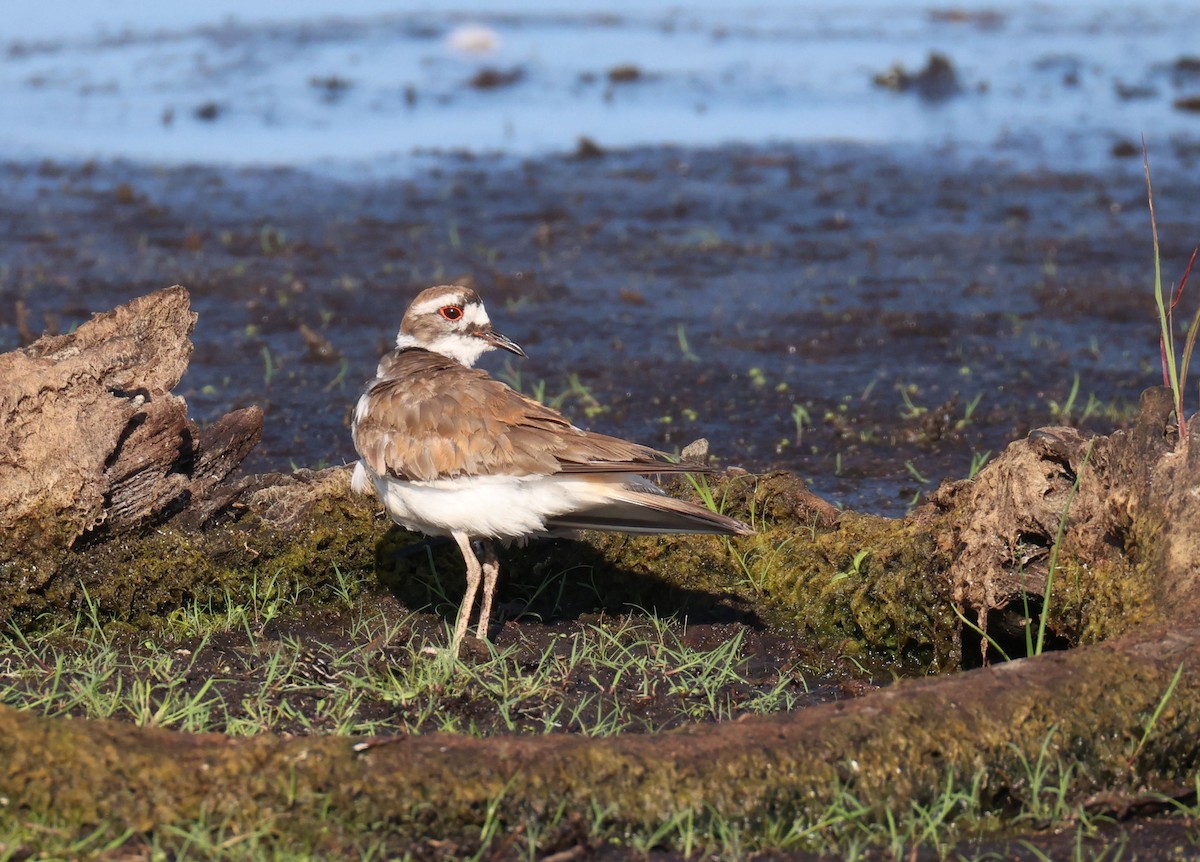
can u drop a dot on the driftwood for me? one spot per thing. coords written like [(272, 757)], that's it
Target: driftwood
[(93, 440), (1126, 506)]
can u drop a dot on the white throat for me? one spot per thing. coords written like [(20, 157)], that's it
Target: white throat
[(465, 349)]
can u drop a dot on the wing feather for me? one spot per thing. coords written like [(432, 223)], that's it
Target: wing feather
[(425, 417), (639, 512)]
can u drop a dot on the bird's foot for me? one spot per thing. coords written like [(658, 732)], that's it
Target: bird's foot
[(468, 647)]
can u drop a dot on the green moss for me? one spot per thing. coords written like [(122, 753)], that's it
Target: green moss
[(873, 585), (894, 605), (1100, 599), (138, 577), (867, 587), (1033, 740)]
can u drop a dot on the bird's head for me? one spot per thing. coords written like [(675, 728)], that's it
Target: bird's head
[(452, 321)]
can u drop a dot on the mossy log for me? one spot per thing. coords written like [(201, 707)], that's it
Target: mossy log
[(1112, 520), (889, 750)]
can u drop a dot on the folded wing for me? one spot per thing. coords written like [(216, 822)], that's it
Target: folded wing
[(427, 417)]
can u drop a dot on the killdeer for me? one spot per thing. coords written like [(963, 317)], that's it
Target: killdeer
[(451, 451)]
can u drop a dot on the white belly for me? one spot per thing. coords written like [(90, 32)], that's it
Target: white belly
[(498, 507)]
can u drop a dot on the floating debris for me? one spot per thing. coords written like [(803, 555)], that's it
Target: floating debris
[(489, 78), (938, 80), (473, 39)]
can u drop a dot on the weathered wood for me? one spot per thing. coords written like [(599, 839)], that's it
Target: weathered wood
[(93, 441)]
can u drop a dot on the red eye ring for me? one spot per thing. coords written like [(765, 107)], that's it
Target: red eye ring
[(451, 312)]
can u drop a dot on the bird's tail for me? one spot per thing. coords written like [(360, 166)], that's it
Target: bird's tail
[(634, 511)]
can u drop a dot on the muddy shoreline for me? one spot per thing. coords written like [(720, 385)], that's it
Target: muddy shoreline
[(875, 320), (917, 309)]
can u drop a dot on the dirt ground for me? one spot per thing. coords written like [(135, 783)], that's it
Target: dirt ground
[(876, 322)]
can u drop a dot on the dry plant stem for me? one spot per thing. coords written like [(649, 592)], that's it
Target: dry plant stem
[(1173, 377), (1189, 344)]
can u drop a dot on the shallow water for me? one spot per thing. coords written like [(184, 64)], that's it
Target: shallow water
[(917, 313), (367, 83)]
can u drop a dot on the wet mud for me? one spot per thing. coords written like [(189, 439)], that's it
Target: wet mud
[(283, 675), (875, 320)]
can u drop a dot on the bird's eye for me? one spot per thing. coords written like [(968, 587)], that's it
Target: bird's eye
[(451, 312)]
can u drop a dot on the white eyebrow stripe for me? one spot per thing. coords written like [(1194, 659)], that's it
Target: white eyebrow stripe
[(473, 312), (431, 305)]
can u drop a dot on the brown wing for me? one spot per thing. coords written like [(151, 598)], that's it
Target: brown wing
[(428, 417)]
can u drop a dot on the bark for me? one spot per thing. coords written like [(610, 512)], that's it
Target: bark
[(1117, 514), (93, 441)]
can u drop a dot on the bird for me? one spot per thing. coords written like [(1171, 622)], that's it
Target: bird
[(451, 451)]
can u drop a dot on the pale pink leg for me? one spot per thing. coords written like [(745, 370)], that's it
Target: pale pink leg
[(491, 573), (474, 570)]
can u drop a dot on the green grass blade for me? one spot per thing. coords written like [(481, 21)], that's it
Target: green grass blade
[(1153, 720), (1053, 566), (1170, 375)]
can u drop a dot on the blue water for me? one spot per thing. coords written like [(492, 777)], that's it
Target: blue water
[(1055, 83)]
